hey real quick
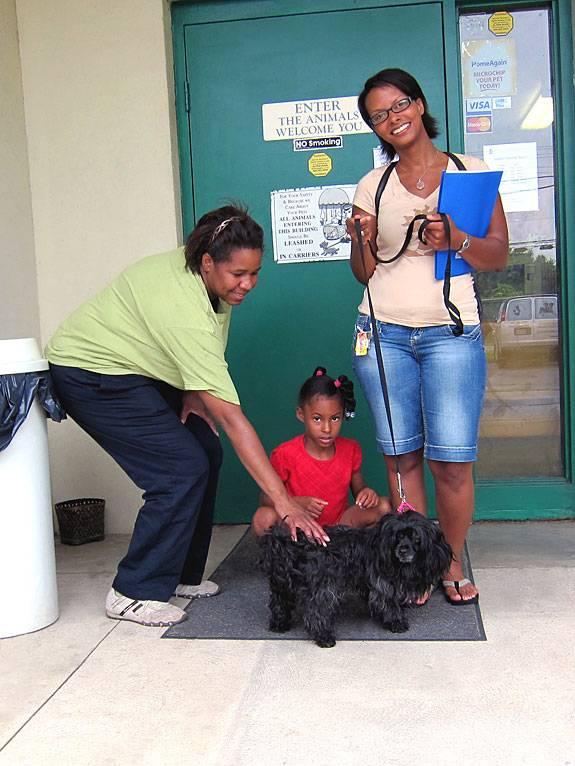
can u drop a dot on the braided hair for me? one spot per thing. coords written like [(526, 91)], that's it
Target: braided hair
[(320, 384), (221, 231)]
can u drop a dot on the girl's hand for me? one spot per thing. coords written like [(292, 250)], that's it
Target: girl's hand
[(313, 505), (434, 234), (368, 228), (367, 498), (193, 405)]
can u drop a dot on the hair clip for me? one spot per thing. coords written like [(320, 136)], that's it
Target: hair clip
[(337, 382), (318, 373), (349, 415), (220, 227)]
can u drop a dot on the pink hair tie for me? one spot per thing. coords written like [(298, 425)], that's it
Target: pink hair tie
[(318, 373), (337, 383)]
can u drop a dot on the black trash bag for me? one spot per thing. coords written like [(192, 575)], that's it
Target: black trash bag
[(17, 393)]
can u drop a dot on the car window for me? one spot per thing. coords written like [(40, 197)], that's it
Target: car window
[(546, 307), (518, 310)]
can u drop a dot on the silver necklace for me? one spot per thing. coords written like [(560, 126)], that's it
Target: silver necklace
[(420, 183)]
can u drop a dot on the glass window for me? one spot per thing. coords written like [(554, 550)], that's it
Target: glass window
[(508, 122), (518, 309), (546, 308)]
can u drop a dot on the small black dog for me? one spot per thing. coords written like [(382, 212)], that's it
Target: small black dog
[(390, 564)]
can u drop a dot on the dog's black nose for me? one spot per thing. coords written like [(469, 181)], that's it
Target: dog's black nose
[(405, 553)]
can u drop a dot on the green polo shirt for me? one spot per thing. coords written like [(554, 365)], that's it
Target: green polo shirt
[(156, 320)]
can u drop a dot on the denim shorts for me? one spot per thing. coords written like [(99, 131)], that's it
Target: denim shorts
[(436, 383)]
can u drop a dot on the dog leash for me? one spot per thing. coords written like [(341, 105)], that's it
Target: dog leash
[(453, 311), (403, 505)]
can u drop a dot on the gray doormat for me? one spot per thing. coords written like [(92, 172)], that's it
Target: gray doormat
[(240, 611)]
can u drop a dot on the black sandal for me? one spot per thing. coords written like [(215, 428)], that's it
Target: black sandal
[(457, 584)]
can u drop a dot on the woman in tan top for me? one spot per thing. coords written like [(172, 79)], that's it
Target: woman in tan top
[(435, 377)]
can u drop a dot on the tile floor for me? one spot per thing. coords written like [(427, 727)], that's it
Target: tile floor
[(88, 690)]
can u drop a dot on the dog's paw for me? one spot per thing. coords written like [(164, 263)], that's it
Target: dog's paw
[(326, 642), (280, 626), (397, 626)]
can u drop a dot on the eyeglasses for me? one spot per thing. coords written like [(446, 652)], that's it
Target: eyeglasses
[(400, 106)]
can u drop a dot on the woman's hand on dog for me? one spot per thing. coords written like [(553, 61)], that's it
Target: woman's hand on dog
[(295, 517)]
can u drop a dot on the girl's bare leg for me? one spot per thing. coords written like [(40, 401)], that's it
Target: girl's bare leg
[(264, 518), (355, 516)]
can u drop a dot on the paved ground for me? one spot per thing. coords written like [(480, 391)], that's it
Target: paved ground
[(88, 690)]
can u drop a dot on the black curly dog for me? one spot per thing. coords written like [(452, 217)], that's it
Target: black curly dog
[(390, 564)]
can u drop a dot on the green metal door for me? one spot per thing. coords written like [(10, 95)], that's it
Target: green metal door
[(229, 62)]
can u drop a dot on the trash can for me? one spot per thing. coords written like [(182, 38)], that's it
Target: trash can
[(81, 521), (28, 592)]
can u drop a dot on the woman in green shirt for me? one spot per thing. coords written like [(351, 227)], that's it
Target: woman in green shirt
[(141, 368)]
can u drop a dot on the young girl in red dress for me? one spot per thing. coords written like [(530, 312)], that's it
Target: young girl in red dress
[(320, 467)]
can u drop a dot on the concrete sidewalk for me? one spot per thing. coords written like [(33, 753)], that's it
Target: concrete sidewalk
[(88, 690)]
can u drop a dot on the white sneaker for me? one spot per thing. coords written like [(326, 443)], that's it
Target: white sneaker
[(151, 613), (205, 589)]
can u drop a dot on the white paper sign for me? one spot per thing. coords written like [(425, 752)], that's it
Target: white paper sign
[(518, 162), (312, 119), (309, 224), (489, 68)]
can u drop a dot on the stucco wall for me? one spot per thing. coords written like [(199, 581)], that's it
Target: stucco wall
[(18, 292), (103, 166)]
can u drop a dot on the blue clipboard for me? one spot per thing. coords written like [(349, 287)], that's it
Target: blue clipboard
[(469, 198)]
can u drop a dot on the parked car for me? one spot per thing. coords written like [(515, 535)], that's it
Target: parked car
[(526, 323), (489, 314)]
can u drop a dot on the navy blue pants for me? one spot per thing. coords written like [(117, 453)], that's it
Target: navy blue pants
[(136, 420)]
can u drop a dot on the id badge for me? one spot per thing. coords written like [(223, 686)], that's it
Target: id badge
[(362, 342)]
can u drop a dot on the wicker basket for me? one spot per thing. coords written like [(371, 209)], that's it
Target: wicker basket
[(81, 521)]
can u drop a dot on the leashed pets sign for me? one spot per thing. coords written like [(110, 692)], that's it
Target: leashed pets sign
[(309, 224)]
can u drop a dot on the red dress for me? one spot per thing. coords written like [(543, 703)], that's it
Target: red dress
[(304, 475)]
